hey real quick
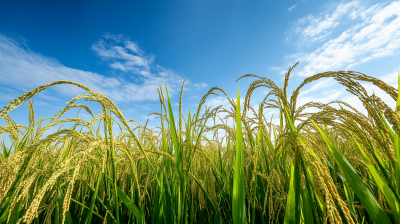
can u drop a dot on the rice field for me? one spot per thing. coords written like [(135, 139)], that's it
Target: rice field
[(336, 165)]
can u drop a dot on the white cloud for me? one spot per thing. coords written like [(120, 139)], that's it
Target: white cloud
[(200, 85), (281, 70), (319, 27), (216, 101), (370, 88), (392, 78), (330, 90), (325, 97), (377, 35), (126, 58), (372, 32), (291, 8), (23, 69), (324, 83)]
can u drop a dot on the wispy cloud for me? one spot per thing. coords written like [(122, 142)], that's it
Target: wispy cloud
[(200, 85), (343, 36), (128, 57), (322, 84), (24, 70), (324, 97), (281, 70), (376, 35), (317, 28), (291, 8)]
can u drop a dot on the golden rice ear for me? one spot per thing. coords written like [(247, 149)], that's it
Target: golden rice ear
[(180, 109), (398, 95), (25, 97), (142, 172), (287, 80)]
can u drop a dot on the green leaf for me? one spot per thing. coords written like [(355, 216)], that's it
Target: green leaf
[(178, 154), (5, 152), (21, 145), (292, 215), (6, 200), (84, 206), (371, 205), (214, 210), (238, 199), (92, 203), (15, 213), (389, 195), (128, 203), (307, 207)]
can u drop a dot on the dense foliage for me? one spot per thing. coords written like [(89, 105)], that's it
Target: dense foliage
[(336, 165)]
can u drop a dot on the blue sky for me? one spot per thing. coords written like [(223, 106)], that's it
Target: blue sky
[(125, 49)]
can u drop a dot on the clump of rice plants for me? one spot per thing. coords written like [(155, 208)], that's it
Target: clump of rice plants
[(336, 165)]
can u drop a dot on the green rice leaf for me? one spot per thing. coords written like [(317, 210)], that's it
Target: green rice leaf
[(292, 215), (92, 203), (389, 195), (128, 203), (15, 213), (238, 199), (368, 200)]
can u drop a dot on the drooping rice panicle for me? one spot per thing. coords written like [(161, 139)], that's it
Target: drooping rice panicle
[(335, 165)]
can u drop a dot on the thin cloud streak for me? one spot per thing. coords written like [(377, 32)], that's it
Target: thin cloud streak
[(291, 8), (376, 36), (318, 27)]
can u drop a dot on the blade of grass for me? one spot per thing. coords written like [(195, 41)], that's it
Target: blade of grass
[(178, 154), (385, 189), (128, 203), (292, 215), (238, 199), (371, 205), (92, 203), (84, 206)]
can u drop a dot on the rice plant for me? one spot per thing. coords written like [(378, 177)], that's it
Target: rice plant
[(336, 165)]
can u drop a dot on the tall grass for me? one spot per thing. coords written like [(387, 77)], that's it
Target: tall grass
[(336, 165)]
